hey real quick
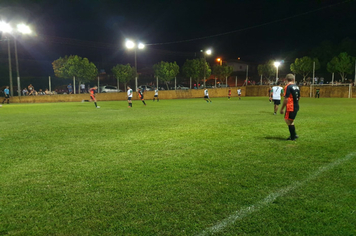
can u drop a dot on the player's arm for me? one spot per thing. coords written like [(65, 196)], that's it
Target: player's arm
[(285, 101)]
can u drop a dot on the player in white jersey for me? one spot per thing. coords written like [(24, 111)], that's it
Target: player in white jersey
[(239, 93), (275, 95), (129, 96), (156, 95), (206, 95)]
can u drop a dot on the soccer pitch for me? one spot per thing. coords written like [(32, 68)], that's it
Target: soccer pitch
[(177, 167)]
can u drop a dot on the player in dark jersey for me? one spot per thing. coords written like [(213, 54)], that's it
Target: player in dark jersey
[(291, 102), (140, 94), (92, 92)]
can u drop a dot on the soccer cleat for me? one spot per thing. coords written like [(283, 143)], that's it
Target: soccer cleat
[(274, 113), (83, 100), (289, 138), (97, 107)]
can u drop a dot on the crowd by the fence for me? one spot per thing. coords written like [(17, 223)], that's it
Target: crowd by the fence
[(31, 91)]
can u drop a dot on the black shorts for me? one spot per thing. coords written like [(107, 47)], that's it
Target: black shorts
[(129, 98), (290, 115), (156, 96), (7, 96), (206, 96), (141, 97), (277, 102)]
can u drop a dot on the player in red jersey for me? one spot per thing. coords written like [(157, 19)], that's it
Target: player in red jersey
[(291, 102), (92, 92)]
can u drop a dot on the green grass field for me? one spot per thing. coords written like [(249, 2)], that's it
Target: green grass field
[(177, 167)]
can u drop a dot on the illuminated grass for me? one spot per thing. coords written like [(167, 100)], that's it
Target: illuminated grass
[(175, 167)]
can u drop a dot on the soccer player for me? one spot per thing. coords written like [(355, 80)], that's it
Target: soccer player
[(206, 96), (275, 96), (239, 93), (229, 94), (7, 95), (92, 92), (291, 102), (317, 94), (140, 94), (129, 96), (156, 95)]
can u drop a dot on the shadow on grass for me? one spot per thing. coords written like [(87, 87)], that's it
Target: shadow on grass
[(275, 138)]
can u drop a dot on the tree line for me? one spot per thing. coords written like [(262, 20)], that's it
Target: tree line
[(84, 71)]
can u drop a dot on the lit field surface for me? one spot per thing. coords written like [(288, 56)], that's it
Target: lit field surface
[(178, 167)]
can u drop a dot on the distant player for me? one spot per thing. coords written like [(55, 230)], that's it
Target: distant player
[(291, 102), (317, 94), (229, 94), (140, 94), (239, 93), (156, 95), (129, 96), (92, 92), (275, 96), (7, 95), (206, 95)]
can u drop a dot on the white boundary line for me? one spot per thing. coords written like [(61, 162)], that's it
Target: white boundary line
[(245, 211)]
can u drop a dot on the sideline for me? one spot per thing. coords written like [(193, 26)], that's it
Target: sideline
[(245, 211)]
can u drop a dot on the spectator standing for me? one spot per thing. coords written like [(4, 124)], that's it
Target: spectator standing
[(70, 88), (7, 95), (82, 88)]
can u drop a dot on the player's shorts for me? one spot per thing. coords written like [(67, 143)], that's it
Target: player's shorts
[(239, 94), (276, 101), (92, 97), (7, 95), (129, 98), (290, 115), (141, 97), (155, 96), (206, 96)]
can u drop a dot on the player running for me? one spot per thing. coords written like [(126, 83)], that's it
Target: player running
[(239, 93), (92, 92), (229, 94), (140, 94), (206, 96), (291, 102), (275, 96), (129, 96), (156, 95)]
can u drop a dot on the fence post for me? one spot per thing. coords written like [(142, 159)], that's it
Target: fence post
[(190, 83), (49, 83), (74, 83), (236, 81), (98, 85), (175, 83)]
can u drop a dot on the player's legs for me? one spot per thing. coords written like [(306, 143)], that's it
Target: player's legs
[(129, 102), (143, 101), (289, 119)]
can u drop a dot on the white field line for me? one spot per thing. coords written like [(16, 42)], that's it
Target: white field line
[(245, 211)]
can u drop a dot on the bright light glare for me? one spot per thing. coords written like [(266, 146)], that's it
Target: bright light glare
[(129, 44), (5, 27), (277, 63), (141, 46), (208, 52), (218, 59), (24, 29)]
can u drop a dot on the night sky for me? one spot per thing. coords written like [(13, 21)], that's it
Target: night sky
[(174, 30)]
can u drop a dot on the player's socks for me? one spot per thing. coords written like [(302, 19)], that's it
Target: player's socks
[(292, 132), (130, 104), (157, 99), (144, 103), (95, 104)]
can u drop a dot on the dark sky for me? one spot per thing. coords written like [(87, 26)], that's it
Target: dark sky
[(176, 29)]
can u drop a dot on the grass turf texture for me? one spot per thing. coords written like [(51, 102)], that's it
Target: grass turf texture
[(175, 167)]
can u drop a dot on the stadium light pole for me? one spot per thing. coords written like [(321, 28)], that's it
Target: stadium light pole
[(277, 64), (23, 29), (132, 45), (207, 52), (6, 28)]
